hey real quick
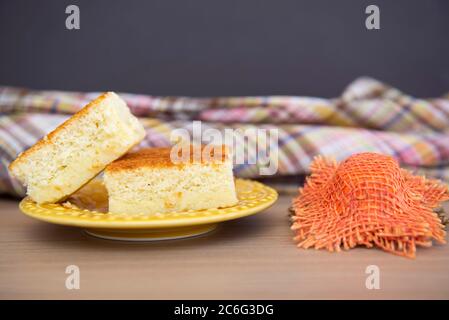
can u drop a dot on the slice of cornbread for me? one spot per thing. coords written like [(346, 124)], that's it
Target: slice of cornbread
[(149, 181), (77, 150)]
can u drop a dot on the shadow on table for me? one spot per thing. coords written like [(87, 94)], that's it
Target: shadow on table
[(230, 232)]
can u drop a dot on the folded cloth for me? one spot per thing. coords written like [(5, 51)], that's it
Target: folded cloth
[(370, 116)]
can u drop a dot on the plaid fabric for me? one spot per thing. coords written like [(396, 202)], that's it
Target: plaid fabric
[(369, 116)]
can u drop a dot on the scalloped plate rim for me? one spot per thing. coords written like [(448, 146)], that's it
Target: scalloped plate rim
[(178, 221)]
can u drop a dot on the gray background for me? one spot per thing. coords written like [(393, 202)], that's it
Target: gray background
[(227, 47)]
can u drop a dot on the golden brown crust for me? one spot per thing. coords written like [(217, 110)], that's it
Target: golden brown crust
[(49, 138), (161, 158)]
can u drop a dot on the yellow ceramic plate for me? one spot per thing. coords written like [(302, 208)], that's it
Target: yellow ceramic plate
[(88, 209)]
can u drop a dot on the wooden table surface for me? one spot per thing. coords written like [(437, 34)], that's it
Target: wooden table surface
[(249, 258)]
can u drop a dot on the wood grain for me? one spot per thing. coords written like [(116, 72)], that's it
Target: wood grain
[(250, 258)]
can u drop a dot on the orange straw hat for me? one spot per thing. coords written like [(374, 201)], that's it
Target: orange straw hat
[(367, 200)]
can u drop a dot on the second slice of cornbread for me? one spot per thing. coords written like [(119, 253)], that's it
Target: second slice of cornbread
[(148, 182)]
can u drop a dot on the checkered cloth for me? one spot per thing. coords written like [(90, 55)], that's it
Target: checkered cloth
[(369, 116)]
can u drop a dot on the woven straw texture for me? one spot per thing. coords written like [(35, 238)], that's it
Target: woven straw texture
[(367, 200)]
